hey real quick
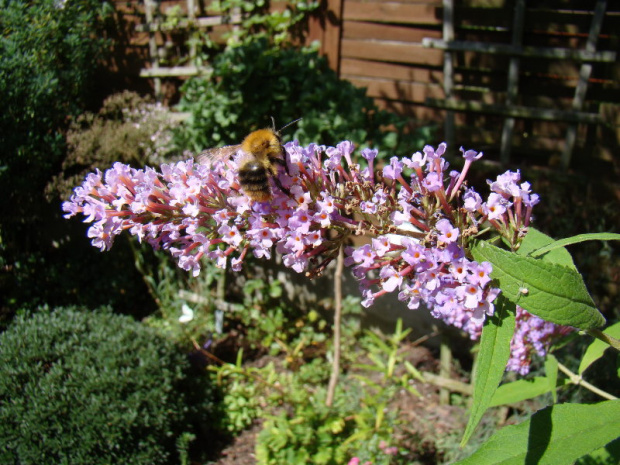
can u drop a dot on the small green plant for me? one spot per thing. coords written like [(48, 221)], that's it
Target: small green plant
[(306, 431), (260, 21), (244, 391), (299, 427), (85, 387), (275, 326), (385, 355)]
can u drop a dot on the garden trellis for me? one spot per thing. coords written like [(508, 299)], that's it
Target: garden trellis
[(155, 23), (517, 51), (519, 62)]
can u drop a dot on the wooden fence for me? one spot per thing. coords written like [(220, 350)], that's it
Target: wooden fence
[(534, 82), (537, 78)]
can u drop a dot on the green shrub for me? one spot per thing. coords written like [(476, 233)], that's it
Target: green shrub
[(254, 82), (309, 432), (91, 388)]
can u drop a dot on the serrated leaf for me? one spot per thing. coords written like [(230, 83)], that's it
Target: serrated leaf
[(553, 292), (556, 435), (535, 240), (492, 359), (597, 348), (520, 390)]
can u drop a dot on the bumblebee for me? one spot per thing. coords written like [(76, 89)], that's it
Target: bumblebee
[(261, 157)]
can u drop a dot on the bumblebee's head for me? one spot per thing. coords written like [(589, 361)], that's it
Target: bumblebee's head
[(264, 143)]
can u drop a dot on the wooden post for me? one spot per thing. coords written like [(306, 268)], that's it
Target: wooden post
[(191, 16), (326, 27), (149, 10), (582, 84), (448, 71), (513, 81)]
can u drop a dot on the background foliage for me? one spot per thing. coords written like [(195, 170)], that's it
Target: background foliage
[(128, 129), (252, 82), (261, 21), (48, 57)]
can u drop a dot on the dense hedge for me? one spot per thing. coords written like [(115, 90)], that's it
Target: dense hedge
[(92, 388)]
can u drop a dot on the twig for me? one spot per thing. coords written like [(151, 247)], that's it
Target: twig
[(333, 379), (578, 380), (445, 363), (425, 338), (447, 383), (597, 333)]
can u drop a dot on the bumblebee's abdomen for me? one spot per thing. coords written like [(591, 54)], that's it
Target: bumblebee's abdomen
[(254, 180)]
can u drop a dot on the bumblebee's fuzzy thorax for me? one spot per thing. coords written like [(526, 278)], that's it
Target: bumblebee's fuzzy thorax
[(260, 156)]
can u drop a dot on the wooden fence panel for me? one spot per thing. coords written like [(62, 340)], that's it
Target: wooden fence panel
[(391, 12)]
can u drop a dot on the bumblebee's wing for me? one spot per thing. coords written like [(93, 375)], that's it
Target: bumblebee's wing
[(210, 156)]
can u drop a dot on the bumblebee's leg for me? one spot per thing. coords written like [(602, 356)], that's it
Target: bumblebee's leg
[(281, 162), (276, 179), (281, 187)]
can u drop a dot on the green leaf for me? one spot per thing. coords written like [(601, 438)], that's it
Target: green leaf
[(553, 292), (551, 370), (608, 455), (575, 240), (536, 240), (492, 359), (517, 391), (596, 349), (556, 435)]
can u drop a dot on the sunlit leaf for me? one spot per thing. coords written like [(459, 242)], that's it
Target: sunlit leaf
[(553, 292), (536, 240), (492, 359), (520, 390), (551, 370), (575, 240), (556, 435), (597, 348)]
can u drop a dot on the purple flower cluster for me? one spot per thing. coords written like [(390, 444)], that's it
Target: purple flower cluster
[(532, 335), (417, 219)]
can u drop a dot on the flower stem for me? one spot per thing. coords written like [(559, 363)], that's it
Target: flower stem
[(333, 379)]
